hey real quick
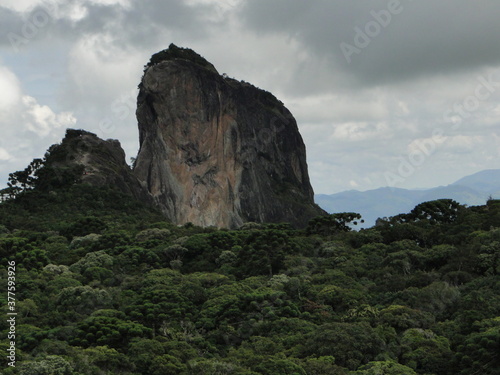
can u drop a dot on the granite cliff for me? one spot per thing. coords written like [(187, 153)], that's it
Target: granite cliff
[(215, 151)]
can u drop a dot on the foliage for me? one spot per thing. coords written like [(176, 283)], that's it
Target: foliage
[(105, 285), (51, 365), (384, 368), (334, 223), (174, 52)]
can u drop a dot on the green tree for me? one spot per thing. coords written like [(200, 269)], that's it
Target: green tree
[(403, 317), (341, 299), (50, 365), (107, 360), (84, 226), (79, 301), (352, 344), (425, 352), (143, 351), (91, 260), (322, 366), (279, 366), (384, 368), (437, 212), (479, 352), (334, 223), (167, 365), (264, 252), (216, 367), (153, 234), (108, 328), (25, 179)]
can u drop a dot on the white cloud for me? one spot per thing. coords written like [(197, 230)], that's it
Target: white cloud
[(74, 11), (124, 3), (41, 120), (77, 12), (4, 154), (28, 128), (355, 132), (462, 144), (339, 107), (101, 87), (222, 8), (353, 184), (10, 92), (99, 70), (20, 5)]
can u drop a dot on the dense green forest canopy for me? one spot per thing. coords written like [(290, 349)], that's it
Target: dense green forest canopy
[(106, 286)]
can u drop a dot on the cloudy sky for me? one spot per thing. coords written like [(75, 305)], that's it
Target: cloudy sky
[(386, 92)]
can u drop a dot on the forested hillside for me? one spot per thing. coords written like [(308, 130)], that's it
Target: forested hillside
[(105, 286)]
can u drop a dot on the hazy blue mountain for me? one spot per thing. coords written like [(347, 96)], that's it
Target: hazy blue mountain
[(371, 204), (383, 202), (487, 181)]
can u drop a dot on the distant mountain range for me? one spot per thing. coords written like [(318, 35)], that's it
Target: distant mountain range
[(384, 202)]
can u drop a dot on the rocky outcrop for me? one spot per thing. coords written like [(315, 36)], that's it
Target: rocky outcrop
[(102, 163), (218, 152)]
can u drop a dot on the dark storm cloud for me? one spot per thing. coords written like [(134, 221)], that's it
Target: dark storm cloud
[(146, 17), (391, 40), (139, 24)]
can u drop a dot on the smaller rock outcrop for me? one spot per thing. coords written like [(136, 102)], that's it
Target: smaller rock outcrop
[(100, 162)]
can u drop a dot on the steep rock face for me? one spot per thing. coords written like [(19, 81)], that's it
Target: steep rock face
[(218, 152)]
